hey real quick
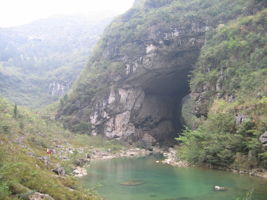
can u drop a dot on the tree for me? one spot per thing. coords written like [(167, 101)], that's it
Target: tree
[(15, 114)]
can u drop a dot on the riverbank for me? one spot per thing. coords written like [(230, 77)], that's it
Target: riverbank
[(124, 153), (82, 156), (171, 158), (259, 172), (76, 160)]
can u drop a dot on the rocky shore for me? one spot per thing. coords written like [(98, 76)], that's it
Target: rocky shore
[(171, 158), (85, 156), (88, 155), (125, 153), (253, 172)]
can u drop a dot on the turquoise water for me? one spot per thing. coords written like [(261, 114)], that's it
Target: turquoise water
[(153, 181)]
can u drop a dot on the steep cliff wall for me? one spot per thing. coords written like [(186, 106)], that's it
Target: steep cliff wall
[(134, 83)]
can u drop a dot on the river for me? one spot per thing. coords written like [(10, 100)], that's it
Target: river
[(144, 179)]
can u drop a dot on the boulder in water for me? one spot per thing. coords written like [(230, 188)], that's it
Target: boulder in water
[(132, 183), (219, 188)]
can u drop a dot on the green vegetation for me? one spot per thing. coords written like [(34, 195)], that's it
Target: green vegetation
[(220, 142), (25, 166), (125, 40), (236, 53), (230, 76), (51, 51), (232, 63), (187, 116)]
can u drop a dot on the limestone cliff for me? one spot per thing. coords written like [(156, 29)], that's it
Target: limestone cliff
[(58, 88), (134, 83)]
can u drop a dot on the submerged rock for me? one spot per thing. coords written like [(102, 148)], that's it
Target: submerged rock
[(180, 198), (132, 183)]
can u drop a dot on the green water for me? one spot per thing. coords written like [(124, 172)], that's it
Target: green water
[(154, 181)]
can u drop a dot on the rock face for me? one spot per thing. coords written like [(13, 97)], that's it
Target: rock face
[(263, 139), (135, 82), (133, 115), (58, 88)]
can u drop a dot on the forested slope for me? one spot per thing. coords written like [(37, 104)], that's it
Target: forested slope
[(40, 61), (229, 96)]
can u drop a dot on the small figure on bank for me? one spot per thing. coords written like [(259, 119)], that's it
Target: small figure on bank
[(49, 151)]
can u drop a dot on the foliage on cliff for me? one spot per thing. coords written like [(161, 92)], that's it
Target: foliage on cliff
[(127, 38), (233, 61), (231, 77)]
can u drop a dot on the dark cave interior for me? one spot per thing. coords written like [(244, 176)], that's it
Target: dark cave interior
[(161, 115)]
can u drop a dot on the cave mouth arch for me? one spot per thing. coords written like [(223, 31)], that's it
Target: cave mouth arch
[(160, 115)]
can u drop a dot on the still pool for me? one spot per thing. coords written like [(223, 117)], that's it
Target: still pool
[(144, 179)]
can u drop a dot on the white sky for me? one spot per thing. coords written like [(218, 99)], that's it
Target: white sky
[(17, 12)]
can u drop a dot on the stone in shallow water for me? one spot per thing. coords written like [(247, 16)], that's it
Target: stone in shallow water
[(219, 188), (132, 183), (180, 198)]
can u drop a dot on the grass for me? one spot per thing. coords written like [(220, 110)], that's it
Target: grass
[(24, 139)]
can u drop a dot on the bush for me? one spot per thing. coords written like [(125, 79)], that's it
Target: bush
[(4, 191), (220, 141), (211, 148)]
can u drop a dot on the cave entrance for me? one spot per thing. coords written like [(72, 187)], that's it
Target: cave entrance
[(161, 110)]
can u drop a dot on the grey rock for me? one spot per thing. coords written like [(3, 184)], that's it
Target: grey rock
[(40, 196), (59, 171), (263, 139), (149, 140), (81, 162), (45, 159), (30, 154), (58, 88), (79, 172), (240, 118)]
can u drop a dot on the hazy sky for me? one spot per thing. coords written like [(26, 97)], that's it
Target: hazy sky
[(17, 12)]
